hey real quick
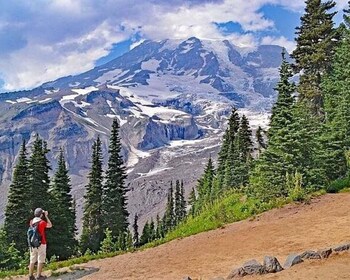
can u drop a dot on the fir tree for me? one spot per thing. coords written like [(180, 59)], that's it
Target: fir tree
[(169, 216), (62, 235), (205, 184), (135, 227), (316, 41), (38, 176), (114, 203), (145, 237), (261, 145), (182, 202), (152, 231), (158, 233), (92, 234), (192, 201), (17, 213)]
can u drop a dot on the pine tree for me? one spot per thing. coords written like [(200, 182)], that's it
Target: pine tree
[(205, 184), (107, 244), (114, 203), (62, 235), (261, 145), (316, 41), (177, 205), (169, 216), (336, 132), (192, 201), (17, 214), (145, 237), (135, 227), (182, 202), (38, 176), (346, 16), (152, 231), (92, 234), (158, 233)]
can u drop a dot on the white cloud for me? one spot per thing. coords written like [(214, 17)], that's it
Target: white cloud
[(51, 39), (279, 41)]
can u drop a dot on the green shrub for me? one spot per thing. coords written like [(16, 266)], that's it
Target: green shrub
[(338, 185)]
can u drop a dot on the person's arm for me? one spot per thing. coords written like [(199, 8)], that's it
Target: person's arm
[(48, 222)]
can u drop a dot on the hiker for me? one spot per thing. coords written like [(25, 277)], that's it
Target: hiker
[(38, 255)]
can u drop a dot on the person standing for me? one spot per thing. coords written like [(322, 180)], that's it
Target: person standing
[(38, 255)]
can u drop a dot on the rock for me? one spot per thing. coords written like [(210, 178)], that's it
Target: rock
[(310, 255), (325, 253), (253, 267), (341, 248), (187, 278), (291, 260), (237, 273), (272, 265)]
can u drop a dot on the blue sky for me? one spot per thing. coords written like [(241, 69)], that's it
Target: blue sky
[(43, 40)]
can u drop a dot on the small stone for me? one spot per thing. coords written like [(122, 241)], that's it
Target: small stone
[(237, 273), (341, 248), (272, 265), (291, 260), (187, 278), (325, 253), (310, 255)]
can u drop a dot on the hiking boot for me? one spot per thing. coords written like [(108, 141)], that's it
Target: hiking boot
[(31, 277), (41, 277)]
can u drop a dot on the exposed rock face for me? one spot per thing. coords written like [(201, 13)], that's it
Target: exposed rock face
[(292, 259), (251, 267), (325, 253), (341, 248), (271, 265), (310, 255)]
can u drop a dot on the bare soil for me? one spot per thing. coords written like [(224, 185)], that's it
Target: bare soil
[(324, 222)]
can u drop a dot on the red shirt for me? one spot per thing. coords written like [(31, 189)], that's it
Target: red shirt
[(41, 228)]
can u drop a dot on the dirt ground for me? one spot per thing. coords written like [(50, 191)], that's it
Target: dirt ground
[(295, 228)]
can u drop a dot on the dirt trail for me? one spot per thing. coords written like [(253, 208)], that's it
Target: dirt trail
[(294, 228)]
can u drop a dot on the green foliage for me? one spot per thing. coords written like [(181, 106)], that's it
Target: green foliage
[(10, 257), (338, 185), (62, 235), (114, 202), (135, 227), (17, 213), (92, 234), (107, 245), (296, 190), (316, 40)]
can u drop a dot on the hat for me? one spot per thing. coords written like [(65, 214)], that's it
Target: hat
[(38, 212)]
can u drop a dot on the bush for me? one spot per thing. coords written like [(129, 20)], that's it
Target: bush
[(338, 185)]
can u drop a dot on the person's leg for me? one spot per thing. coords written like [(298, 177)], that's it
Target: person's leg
[(41, 259), (33, 260)]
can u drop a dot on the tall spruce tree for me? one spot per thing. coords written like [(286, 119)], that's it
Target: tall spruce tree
[(17, 213), (269, 174), (260, 140), (93, 231), (336, 131), (205, 184), (62, 235), (316, 40), (169, 216), (182, 202), (192, 199), (114, 203), (38, 176), (177, 200), (135, 226)]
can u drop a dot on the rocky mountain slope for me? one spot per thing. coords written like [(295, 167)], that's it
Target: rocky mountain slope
[(171, 98)]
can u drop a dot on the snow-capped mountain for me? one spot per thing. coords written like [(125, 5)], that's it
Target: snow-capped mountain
[(171, 99)]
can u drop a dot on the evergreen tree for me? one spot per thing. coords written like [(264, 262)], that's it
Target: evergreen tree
[(177, 202), (158, 234), (107, 244), (192, 201), (261, 145), (346, 16), (62, 235), (145, 237), (336, 131), (316, 41), (17, 213), (182, 202), (114, 203), (135, 227), (169, 216), (92, 234), (152, 231), (205, 184), (38, 176)]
